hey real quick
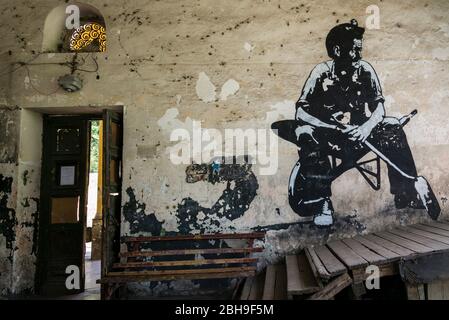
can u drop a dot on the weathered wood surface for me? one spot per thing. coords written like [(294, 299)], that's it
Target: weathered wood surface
[(280, 288), (275, 287), (384, 249), (384, 252), (174, 263), (270, 283), (438, 290), (332, 288), (318, 268), (188, 252), (254, 235), (364, 252), (415, 292), (300, 277), (401, 251), (350, 258), (430, 235), (133, 266), (166, 275), (330, 262), (257, 288), (411, 245)]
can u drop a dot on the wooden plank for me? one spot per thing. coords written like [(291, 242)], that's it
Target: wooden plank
[(270, 283), (257, 288), (178, 272), (429, 235), (198, 262), (438, 224), (415, 292), (333, 266), (344, 253), (253, 235), (364, 252), (400, 250), (446, 289), (247, 288), (387, 254), (414, 246), (439, 231), (334, 287), (188, 252), (359, 275), (435, 245), (317, 266), (300, 278), (280, 289), (435, 290), (171, 277)]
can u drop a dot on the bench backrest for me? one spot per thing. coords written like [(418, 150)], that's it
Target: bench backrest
[(191, 252)]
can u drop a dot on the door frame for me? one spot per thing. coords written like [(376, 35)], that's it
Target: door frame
[(44, 214)]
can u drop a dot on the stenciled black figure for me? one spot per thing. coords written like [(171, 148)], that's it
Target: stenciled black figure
[(341, 111)]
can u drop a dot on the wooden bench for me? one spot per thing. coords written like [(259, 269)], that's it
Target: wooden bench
[(169, 258)]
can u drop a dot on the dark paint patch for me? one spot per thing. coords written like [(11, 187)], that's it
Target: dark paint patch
[(25, 177), (346, 224), (139, 221), (351, 221), (34, 223), (241, 189), (5, 184), (8, 219)]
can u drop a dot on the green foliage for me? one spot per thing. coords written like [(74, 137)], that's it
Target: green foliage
[(95, 135)]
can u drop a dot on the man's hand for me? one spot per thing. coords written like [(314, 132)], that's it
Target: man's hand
[(358, 133)]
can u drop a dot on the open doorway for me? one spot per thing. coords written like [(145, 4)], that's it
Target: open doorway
[(92, 256), (79, 228)]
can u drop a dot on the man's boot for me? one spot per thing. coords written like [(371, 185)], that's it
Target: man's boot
[(324, 215)]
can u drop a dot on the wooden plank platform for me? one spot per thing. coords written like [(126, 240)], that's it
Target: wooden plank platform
[(322, 271), (384, 249)]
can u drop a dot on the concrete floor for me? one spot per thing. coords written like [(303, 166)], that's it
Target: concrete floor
[(93, 273)]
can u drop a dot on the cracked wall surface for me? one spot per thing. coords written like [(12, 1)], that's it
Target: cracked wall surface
[(239, 64)]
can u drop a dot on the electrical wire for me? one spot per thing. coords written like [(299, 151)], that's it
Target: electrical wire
[(73, 65), (94, 59), (34, 87), (21, 64)]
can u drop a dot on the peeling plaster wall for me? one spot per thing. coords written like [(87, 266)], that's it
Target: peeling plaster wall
[(9, 128), (19, 198), (239, 64), (27, 212)]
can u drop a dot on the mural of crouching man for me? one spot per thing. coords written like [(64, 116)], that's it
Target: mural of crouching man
[(340, 107)]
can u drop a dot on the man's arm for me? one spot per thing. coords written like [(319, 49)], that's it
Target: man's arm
[(307, 95), (362, 132), (304, 116)]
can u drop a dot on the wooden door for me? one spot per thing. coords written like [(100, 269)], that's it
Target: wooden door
[(63, 204), (112, 184)]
